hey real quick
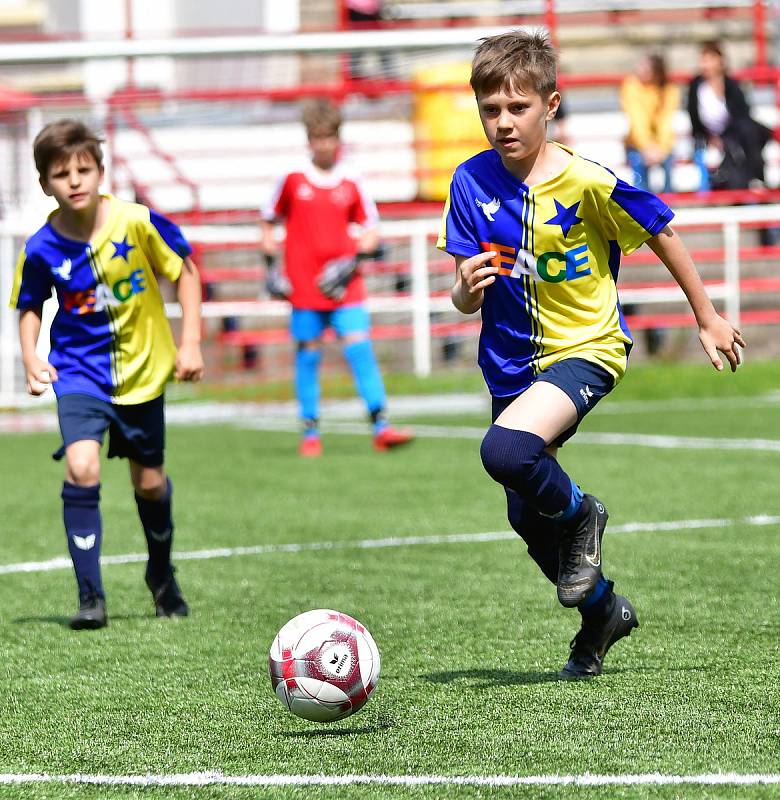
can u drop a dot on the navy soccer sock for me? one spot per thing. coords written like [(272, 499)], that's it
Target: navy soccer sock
[(540, 533), (517, 460), (157, 523), (84, 529)]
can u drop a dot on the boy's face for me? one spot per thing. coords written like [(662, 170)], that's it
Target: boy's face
[(324, 146), (515, 121), (74, 181)]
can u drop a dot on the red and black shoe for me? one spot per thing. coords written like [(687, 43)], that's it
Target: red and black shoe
[(389, 438)]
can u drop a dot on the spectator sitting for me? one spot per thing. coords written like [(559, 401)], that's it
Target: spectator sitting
[(720, 117), (649, 100)]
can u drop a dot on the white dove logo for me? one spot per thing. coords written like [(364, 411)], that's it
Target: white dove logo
[(84, 542), (488, 209), (64, 269)]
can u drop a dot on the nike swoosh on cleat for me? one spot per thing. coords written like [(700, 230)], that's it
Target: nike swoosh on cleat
[(595, 559)]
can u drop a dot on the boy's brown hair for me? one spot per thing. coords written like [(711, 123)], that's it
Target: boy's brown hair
[(321, 117), (59, 140), (515, 61)]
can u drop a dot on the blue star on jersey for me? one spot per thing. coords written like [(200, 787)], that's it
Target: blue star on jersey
[(566, 217), (122, 249)]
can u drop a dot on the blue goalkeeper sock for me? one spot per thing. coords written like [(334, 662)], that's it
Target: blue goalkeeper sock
[(368, 379), (307, 386), (157, 522), (84, 529)]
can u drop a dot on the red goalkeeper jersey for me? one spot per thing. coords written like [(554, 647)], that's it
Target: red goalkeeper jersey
[(317, 209)]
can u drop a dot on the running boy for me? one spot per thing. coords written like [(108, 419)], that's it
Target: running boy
[(537, 232), (321, 277), (112, 351)]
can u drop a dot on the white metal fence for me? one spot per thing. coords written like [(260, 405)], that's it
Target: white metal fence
[(419, 306)]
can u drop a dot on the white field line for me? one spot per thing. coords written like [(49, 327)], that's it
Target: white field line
[(219, 779), (662, 442), (61, 563)]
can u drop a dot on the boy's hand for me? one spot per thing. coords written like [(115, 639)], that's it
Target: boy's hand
[(189, 363), (718, 334), (276, 283), (40, 374), (476, 273), (336, 275), (472, 277)]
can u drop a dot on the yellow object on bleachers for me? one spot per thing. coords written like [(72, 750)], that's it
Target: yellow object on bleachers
[(447, 129)]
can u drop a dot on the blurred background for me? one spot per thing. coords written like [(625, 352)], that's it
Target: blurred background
[(199, 104)]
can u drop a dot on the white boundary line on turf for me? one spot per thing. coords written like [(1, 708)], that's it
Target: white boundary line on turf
[(662, 442), (219, 779), (60, 563)]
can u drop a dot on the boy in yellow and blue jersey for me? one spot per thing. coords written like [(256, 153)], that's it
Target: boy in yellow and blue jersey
[(112, 351), (537, 233)]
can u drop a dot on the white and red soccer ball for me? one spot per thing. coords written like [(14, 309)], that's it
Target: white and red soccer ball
[(324, 665)]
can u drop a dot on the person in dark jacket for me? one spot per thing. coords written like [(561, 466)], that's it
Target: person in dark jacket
[(720, 116)]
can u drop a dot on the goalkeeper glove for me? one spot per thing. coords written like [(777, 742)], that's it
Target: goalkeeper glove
[(336, 275), (276, 283)]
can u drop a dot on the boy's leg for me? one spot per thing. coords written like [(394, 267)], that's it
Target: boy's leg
[(81, 515), (153, 496), (352, 325), (138, 433), (514, 453), (83, 422), (541, 534), (307, 327), (538, 532)]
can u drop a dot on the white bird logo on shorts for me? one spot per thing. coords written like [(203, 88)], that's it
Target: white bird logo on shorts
[(488, 209)]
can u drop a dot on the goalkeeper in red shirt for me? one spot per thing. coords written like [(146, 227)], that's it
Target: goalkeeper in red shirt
[(321, 276)]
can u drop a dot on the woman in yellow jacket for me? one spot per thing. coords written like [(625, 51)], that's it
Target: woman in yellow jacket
[(649, 101)]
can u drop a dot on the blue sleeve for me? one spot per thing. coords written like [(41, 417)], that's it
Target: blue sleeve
[(171, 234), (32, 283), (458, 235), (632, 216)]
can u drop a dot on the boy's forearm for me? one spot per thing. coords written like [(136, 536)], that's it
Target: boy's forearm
[(188, 291), (267, 238), (668, 246), (29, 331), (368, 241)]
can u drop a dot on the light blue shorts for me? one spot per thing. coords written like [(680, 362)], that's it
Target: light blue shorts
[(306, 324)]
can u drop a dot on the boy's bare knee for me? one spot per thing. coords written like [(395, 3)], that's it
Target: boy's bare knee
[(149, 482), (82, 467)]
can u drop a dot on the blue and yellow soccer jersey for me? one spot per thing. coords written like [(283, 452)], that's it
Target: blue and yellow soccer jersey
[(558, 247), (110, 337)]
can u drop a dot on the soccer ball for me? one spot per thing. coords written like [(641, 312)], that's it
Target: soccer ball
[(324, 665)]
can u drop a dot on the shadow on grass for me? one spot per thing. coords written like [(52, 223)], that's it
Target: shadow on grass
[(64, 621), (325, 733), (486, 678), (492, 677)]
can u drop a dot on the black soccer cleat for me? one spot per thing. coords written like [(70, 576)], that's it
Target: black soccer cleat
[(593, 640), (168, 599), (579, 552), (91, 614)]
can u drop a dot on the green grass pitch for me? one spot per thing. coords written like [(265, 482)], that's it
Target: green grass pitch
[(470, 633)]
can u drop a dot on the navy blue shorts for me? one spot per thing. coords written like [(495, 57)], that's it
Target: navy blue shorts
[(136, 432), (584, 381)]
